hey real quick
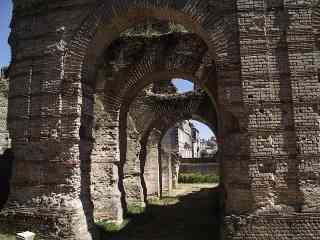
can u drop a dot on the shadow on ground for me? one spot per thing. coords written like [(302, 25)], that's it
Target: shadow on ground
[(194, 216)]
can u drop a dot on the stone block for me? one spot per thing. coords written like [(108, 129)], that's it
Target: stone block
[(25, 236)]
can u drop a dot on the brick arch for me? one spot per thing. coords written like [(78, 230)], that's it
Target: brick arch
[(108, 19), (230, 145), (85, 52), (111, 18), (194, 116), (183, 106), (155, 65), (165, 118), (161, 126), (51, 65), (156, 106), (105, 23), (150, 68), (117, 99)]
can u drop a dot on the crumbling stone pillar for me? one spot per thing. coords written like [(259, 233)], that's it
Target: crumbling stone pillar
[(101, 159), (175, 161), (303, 64), (152, 168), (46, 186), (166, 173), (131, 169), (267, 96), (234, 177), (280, 91)]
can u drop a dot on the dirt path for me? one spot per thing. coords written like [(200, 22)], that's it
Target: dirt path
[(190, 214)]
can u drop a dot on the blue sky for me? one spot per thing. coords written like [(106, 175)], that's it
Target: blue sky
[(204, 131), (186, 86), (182, 85), (5, 17), (5, 56)]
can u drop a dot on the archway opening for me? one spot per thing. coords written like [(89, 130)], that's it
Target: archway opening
[(131, 108), (183, 86), (90, 72), (153, 111), (192, 149), (188, 208)]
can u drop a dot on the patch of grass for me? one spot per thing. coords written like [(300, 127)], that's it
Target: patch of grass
[(110, 226), (136, 209), (164, 201), (198, 178)]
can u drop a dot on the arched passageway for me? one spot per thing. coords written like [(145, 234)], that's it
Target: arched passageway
[(75, 74)]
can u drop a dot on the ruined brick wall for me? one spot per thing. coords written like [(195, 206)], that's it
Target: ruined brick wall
[(102, 183), (131, 170), (280, 83), (161, 112), (46, 182), (262, 74)]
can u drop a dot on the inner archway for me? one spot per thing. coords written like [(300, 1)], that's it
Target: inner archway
[(122, 78), (151, 113), (81, 102), (77, 147), (190, 148), (194, 206)]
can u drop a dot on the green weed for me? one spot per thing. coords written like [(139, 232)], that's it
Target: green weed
[(198, 178), (110, 226)]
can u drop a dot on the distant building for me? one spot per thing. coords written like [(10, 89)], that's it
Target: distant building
[(208, 148), (184, 139)]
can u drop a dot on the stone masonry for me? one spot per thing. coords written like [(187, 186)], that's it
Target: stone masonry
[(85, 128)]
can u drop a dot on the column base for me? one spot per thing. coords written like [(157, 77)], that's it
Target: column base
[(47, 223)]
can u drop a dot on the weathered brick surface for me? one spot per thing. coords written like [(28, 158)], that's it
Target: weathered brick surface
[(258, 60)]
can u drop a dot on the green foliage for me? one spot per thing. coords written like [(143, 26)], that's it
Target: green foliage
[(135, 209), (154, 27), (198, 178), (110, 226)]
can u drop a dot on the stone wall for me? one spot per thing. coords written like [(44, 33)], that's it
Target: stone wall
[(258, 62), (272, 226)]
